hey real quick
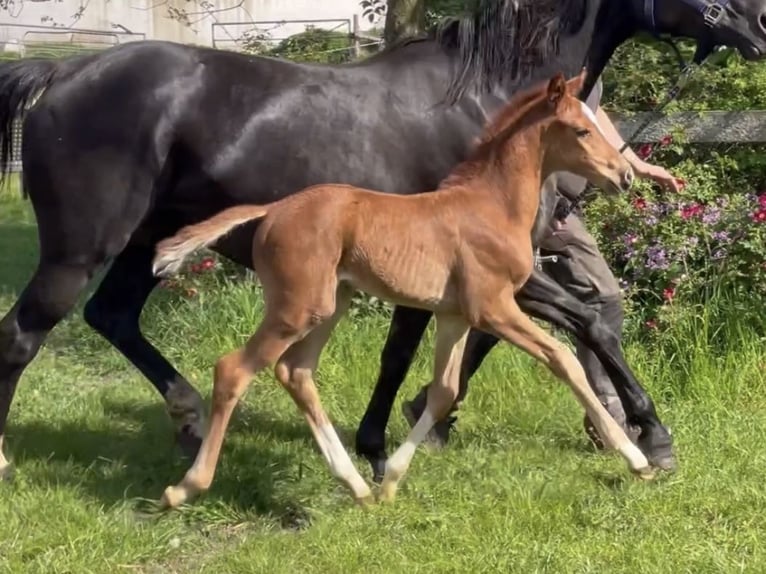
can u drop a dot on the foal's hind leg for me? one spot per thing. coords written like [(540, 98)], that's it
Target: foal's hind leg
[(451, 335), (295, 371), (504, 318), (233, 373)]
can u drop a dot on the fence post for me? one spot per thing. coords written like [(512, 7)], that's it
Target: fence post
[(355, 34)]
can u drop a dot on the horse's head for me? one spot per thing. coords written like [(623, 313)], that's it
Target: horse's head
[(739, 24), (573, 142)]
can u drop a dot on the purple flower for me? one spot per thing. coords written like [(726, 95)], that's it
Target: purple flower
[(722, 236), (719, 254), (656, 258), (751, 197), (711, 216), (629, 238), (651, 220)]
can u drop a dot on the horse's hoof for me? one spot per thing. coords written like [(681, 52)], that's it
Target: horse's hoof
[(378, 469), (657, 446), (188, 442), (377, 463)]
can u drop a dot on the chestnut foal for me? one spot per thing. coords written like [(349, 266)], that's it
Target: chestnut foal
[(462, 252)]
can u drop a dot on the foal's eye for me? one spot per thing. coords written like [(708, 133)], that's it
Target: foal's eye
[(581, 133)]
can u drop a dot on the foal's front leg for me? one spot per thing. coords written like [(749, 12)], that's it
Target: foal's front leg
[(503, 317), (451, 335)]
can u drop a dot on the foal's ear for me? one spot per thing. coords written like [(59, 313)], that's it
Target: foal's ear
[(557, 88)]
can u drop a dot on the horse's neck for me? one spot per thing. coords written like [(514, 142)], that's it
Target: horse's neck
[(517, 177)]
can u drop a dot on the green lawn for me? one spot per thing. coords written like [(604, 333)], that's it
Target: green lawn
[(519, 489)]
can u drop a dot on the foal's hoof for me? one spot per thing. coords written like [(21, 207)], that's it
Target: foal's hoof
[(173, 497), (188, 442), (366, 501), (387, 493), (645, 473)]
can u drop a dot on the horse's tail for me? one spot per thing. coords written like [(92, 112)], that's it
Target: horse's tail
[(21, 82), (171, 252)]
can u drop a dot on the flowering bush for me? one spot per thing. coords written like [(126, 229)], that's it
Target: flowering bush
[(668, 247)]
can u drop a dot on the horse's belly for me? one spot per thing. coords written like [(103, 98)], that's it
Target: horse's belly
[(414, 285)]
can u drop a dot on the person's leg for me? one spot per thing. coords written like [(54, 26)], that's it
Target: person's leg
[(582, 271)]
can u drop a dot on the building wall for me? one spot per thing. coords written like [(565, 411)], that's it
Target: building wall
[(151, 18)]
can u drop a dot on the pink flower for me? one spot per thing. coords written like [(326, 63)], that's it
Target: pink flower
[(762, 200), (666, 140), (689, 211), (759, 216), (207, 263), (645, 151), (651, 324), (668, 293), (639, 203)]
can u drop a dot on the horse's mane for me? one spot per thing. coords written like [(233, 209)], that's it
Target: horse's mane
[(505, 39)]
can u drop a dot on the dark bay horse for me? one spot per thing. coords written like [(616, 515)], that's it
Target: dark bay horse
[(126, 146), (314, 249)]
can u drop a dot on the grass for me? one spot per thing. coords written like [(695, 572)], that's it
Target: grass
[(518, 490)]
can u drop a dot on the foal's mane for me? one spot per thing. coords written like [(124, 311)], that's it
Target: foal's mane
[(505, 39), (516, 114)]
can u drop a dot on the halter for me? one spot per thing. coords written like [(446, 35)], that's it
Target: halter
[(712, 14)]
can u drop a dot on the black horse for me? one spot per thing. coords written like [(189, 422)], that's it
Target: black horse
[(125, 146)]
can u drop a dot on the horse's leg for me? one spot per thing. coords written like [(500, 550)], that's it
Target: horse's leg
[(47, 298), (295, 370), (451, 334), (545, 299), (404, 336), (502, 316), (114, 311), (476, 350)]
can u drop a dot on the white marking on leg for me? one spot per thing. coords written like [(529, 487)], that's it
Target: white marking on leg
[(398, 463), (340, 462), (4, 464), (186, 408)]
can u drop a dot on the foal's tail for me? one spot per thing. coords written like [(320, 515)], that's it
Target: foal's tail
[(171, 252)]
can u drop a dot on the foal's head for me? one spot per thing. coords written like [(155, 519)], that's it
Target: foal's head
[(572, 140)]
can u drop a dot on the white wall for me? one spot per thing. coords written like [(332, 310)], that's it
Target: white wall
[(150, 17)]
